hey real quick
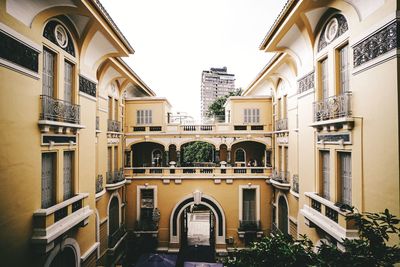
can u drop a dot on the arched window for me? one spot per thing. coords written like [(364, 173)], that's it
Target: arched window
[(283, 215), (240, 155), (113, 215)]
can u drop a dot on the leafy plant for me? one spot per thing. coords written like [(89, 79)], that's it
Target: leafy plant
[(217, 107), (371, 249), (197, 152)]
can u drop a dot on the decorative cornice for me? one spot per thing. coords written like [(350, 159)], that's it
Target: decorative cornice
[(377, 44), (306, 83)]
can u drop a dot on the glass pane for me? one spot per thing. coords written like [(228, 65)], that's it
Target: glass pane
[(48, 73), (325, 174), (48, 180), (324, 79), (249, 205), (344, 70), (68, 72), (68, 174)]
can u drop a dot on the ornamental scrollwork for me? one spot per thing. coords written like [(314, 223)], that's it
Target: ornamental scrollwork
[(378, 44), (336, 26), (86, 86)]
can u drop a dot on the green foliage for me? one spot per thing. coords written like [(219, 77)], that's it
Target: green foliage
[(217, 107), (277, 250), (371, 249), (197, 152)]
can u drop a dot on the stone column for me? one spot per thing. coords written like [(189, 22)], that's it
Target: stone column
[(228, 156), (166, 156)]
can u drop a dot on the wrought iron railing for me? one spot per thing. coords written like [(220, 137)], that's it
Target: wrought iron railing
[(116, 236), (281, 125), (295, 183), (99, 183), (115, 177), (247, 225), (146, 225), (97, 123), (333, 107), (281, 176), (59, 110), (113, 126)]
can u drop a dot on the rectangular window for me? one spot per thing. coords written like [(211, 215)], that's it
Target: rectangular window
[(48, 73), (144, 116), (68, 78), (146, 204), (344, 69), (116, 158), (324, 79), (116, 109), (68, 174), (109, 159), (249, 205), (325, 174), (110, 110), (251, 115), (345, 177), (48, 180)]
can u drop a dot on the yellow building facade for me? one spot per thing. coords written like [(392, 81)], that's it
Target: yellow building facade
[(91, 158), (334, 86)]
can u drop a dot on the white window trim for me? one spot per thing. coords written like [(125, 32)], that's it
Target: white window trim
[(138, 195), (249, 186)]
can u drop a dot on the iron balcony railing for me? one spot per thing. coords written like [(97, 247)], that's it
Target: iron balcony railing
[(114, 126), (281, 176), (295, 183), (115, 177), (99, 183), (281, 125), (333, 107), (59, 110), (249, 225)]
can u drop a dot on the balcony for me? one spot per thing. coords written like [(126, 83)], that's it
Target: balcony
[(280, 180), (295, 184), (252, 228), (205, 172), (322, 213), (115, 179), (99, 183), (281, 125), (50, 223), (333, 111), (59, 114), (114, 126), (146, 228)]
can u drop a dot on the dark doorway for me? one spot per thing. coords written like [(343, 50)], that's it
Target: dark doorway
[(283, 216)]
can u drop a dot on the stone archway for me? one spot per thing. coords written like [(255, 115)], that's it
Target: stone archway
[(198, 198)]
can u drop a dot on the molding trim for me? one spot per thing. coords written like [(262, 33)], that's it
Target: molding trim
[(89, 252), (89, 97)]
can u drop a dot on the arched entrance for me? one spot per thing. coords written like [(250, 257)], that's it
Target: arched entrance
[(282, 215), (208, 204), (65, 258)]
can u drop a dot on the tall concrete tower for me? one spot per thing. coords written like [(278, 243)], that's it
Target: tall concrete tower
[(215, 83)]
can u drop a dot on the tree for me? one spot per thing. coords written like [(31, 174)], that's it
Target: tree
[(371, 249), (217, 107), (197, 152)]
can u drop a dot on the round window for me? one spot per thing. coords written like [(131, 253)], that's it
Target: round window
[(331, 30), (61, 36)]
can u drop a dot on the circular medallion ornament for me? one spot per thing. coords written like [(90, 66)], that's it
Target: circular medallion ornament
[(61, 36), (331, 30)]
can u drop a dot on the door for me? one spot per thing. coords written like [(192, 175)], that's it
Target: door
[(283, 216)]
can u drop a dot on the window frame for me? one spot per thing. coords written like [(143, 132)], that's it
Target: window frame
[(139, 189), (257, 211)]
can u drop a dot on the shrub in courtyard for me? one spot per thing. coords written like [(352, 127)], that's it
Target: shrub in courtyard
[(373, 248)]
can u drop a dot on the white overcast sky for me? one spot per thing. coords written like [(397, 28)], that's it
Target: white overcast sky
[(175, 40)]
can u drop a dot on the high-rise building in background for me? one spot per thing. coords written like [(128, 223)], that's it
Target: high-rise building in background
[(215, 83)]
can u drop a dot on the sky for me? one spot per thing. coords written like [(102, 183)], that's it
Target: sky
[(175, 40)]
